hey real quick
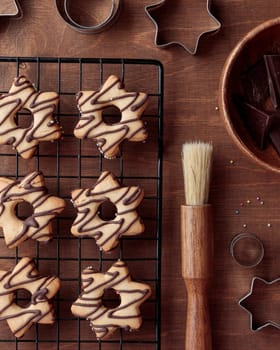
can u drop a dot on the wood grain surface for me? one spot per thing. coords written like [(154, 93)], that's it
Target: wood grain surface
[(191, 90)]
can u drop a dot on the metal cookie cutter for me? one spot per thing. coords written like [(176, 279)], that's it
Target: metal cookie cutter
[(247, 250), (63, 10), (11, 10), (213, 29), (267, 299)]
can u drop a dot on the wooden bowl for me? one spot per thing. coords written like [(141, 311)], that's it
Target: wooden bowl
[(264, 39)]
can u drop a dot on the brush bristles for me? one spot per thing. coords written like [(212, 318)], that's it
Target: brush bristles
[(197, 163)]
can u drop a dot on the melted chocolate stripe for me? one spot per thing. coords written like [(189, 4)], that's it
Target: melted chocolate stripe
[(78, 195), (83, 229), (86, 219), (37, 202), (80, 95), (104, 90), (85, 120), (30, 276), (133, 197), (6, 307), (91, 129), (123, 131), (99, 105), (3, 117), (49, 112), (122, 196), (94, 286), (103, 176), (87, 281), (141, 297), (105, 133), (34, 314), (35, 103), (138, 105), (127, 227), (109, 283), (37, 316), (115, 234), (99, 313), (101, 332), (20, 139), (23, 232)]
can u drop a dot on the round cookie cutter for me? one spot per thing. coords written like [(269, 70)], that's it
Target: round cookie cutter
[(63, 10), (247, 250)]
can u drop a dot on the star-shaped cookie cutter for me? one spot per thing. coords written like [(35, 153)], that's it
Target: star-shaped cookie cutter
[(105, 321), (267, 323), (149, 9), (15, 14), (42, 288)]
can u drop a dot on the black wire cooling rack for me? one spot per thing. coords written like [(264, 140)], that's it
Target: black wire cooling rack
[(71, 163)]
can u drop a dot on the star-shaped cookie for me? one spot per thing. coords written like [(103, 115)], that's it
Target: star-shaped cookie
[(107, 232), (261, 303), (108, 137), (32, 190), (182, 25), (104, 321), (25, 276), (41, 105)]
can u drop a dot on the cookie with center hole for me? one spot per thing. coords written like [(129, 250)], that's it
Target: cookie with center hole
[(92, 221), (109, 136), (44, 207)]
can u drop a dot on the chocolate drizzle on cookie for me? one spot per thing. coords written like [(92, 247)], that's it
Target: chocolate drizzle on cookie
[(108, 137), (42, 289), (41, 105), (88, 221), (105, 321), (45, 207)]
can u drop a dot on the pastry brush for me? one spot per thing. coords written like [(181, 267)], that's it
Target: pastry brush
[(197, 243)]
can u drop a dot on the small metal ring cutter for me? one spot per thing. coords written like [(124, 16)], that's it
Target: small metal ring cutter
[(247, 250), (63, 10)]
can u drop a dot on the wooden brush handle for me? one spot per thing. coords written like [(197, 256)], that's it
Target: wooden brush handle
[(198, 326), (197, 270)]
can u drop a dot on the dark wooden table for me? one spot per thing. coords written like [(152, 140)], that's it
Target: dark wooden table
[(190, 101)]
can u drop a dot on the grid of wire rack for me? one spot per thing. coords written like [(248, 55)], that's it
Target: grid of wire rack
[(71, 163)]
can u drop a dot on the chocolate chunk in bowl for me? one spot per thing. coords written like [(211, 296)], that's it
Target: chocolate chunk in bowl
[(245, 67)]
